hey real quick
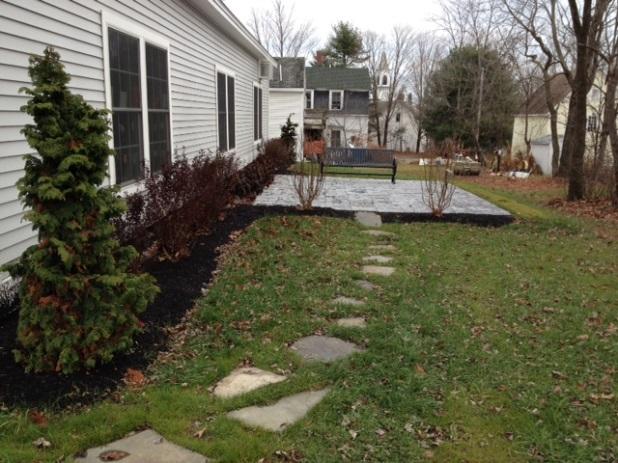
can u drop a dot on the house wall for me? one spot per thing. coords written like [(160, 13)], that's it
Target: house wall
[(282, 104), (538, 126), (350, 125), (74, 28)]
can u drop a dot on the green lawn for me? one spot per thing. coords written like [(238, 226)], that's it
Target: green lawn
[(487, 345)]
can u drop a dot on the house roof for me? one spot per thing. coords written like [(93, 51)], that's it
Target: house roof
[(537, 104), (219, 13), (326, 78), (289, 73)]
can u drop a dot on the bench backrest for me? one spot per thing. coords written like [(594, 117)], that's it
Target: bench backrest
[(358, 156)]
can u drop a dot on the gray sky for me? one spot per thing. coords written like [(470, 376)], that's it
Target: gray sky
[(377, 15)]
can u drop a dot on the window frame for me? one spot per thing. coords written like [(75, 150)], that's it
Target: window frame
[(227, 73), (330, 100), (258, 138), (144, 36), (311, 99), (340, 137)]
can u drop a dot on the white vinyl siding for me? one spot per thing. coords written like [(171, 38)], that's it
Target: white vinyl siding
[(74, 29), (282, 104)]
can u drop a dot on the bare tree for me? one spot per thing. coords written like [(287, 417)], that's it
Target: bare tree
[(426, 53), (396, 50), (277, 30)]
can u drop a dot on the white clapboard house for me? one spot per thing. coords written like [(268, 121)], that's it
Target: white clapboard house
[(178, 75)]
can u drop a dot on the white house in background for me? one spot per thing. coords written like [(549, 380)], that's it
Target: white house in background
[(287, 98), (179, 76)]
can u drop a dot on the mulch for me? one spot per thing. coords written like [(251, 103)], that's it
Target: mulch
[(181, 284)]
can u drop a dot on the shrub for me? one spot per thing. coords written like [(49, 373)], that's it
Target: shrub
[(289, 137), (437, 188), (178, 204), (79, 302), (9, 299), (308, 183), (274, 158)]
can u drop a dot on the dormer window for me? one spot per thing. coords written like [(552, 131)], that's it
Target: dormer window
[(336, 100)]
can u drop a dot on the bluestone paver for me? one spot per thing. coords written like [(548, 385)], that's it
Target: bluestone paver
[(244, 380), (324, 349)]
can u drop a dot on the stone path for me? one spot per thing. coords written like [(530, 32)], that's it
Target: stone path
[(144, 447), (376, 195), (149, 447), (244, 380), (281, 415), (324, 349)]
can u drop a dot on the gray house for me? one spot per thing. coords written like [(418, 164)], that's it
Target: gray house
[(337, 106), (178, 75)]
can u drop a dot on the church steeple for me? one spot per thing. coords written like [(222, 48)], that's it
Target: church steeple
[(383, 78)]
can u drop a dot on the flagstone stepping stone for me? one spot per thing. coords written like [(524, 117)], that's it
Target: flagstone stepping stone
[(366, 285), (378, 259), (146, 446), (324, 348), (368, 219), (379, 271), (378, 233), (342, 300), (281, 415), (244, 380), (383, 247), (352, 322)]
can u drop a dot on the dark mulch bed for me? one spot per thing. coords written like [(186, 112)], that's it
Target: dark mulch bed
[(181, 283)]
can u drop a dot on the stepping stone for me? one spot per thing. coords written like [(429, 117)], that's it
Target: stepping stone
[(342, 300), (324, 348), (146, 446), (244, 380), (377, 270), (378, 259), (383, 247), (368, 219), (281, 415), (352, 323), (366, 285), (378, 233)]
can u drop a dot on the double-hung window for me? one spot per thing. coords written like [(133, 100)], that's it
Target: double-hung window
[(139, 99), (226, 115), (309, 99), (257, 113), (336, 100)]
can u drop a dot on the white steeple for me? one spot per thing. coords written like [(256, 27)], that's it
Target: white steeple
[(383, 78)]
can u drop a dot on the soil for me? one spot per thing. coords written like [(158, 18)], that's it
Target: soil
[(181, 284)]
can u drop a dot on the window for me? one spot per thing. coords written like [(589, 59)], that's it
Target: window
[(398, 117), (158, 107), (335, 138), (385, 80), (257, 113), (226, 120), (140, 104), (309, 99), (336, 100), (592, 123)]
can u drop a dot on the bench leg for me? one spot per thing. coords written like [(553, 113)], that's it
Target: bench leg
[(394, 171)]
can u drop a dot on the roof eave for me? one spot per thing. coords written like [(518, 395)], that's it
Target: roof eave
[(222, 16)]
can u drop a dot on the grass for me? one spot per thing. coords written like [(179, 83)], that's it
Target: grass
[(487, 345)]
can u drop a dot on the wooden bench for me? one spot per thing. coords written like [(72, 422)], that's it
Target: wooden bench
[(360, 157)]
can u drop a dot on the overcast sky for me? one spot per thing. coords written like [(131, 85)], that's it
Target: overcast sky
[(377, 15)]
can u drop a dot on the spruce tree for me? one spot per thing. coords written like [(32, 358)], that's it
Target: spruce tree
[(79, 300), (289, 136)]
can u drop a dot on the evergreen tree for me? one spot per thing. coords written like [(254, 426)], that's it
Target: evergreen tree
[(79, 301), (289, 136), (345, 46)]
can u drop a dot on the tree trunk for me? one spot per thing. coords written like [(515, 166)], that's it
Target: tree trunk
[(419, 135), (612, 129), (565, 155), (577, 145), (553, 123)]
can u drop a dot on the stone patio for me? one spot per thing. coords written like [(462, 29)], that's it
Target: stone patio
[(144, 447), (375, 195)]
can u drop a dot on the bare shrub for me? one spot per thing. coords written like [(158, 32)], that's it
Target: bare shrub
[(437, 187), (308, 183)]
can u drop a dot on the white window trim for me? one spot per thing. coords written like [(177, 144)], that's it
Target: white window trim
[(260, 140), (311, 99), (228, 73), (330, 100), (145, 36)]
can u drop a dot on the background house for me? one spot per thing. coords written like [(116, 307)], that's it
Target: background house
[(179, 77), (337, 105), (532, 121), (287, 98)]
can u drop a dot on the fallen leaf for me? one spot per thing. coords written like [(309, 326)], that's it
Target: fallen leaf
[(200, 434), (380, 432), (353, 433), (42, 443), (420, 370), (113, 455), (134, 378), (38, 418)]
